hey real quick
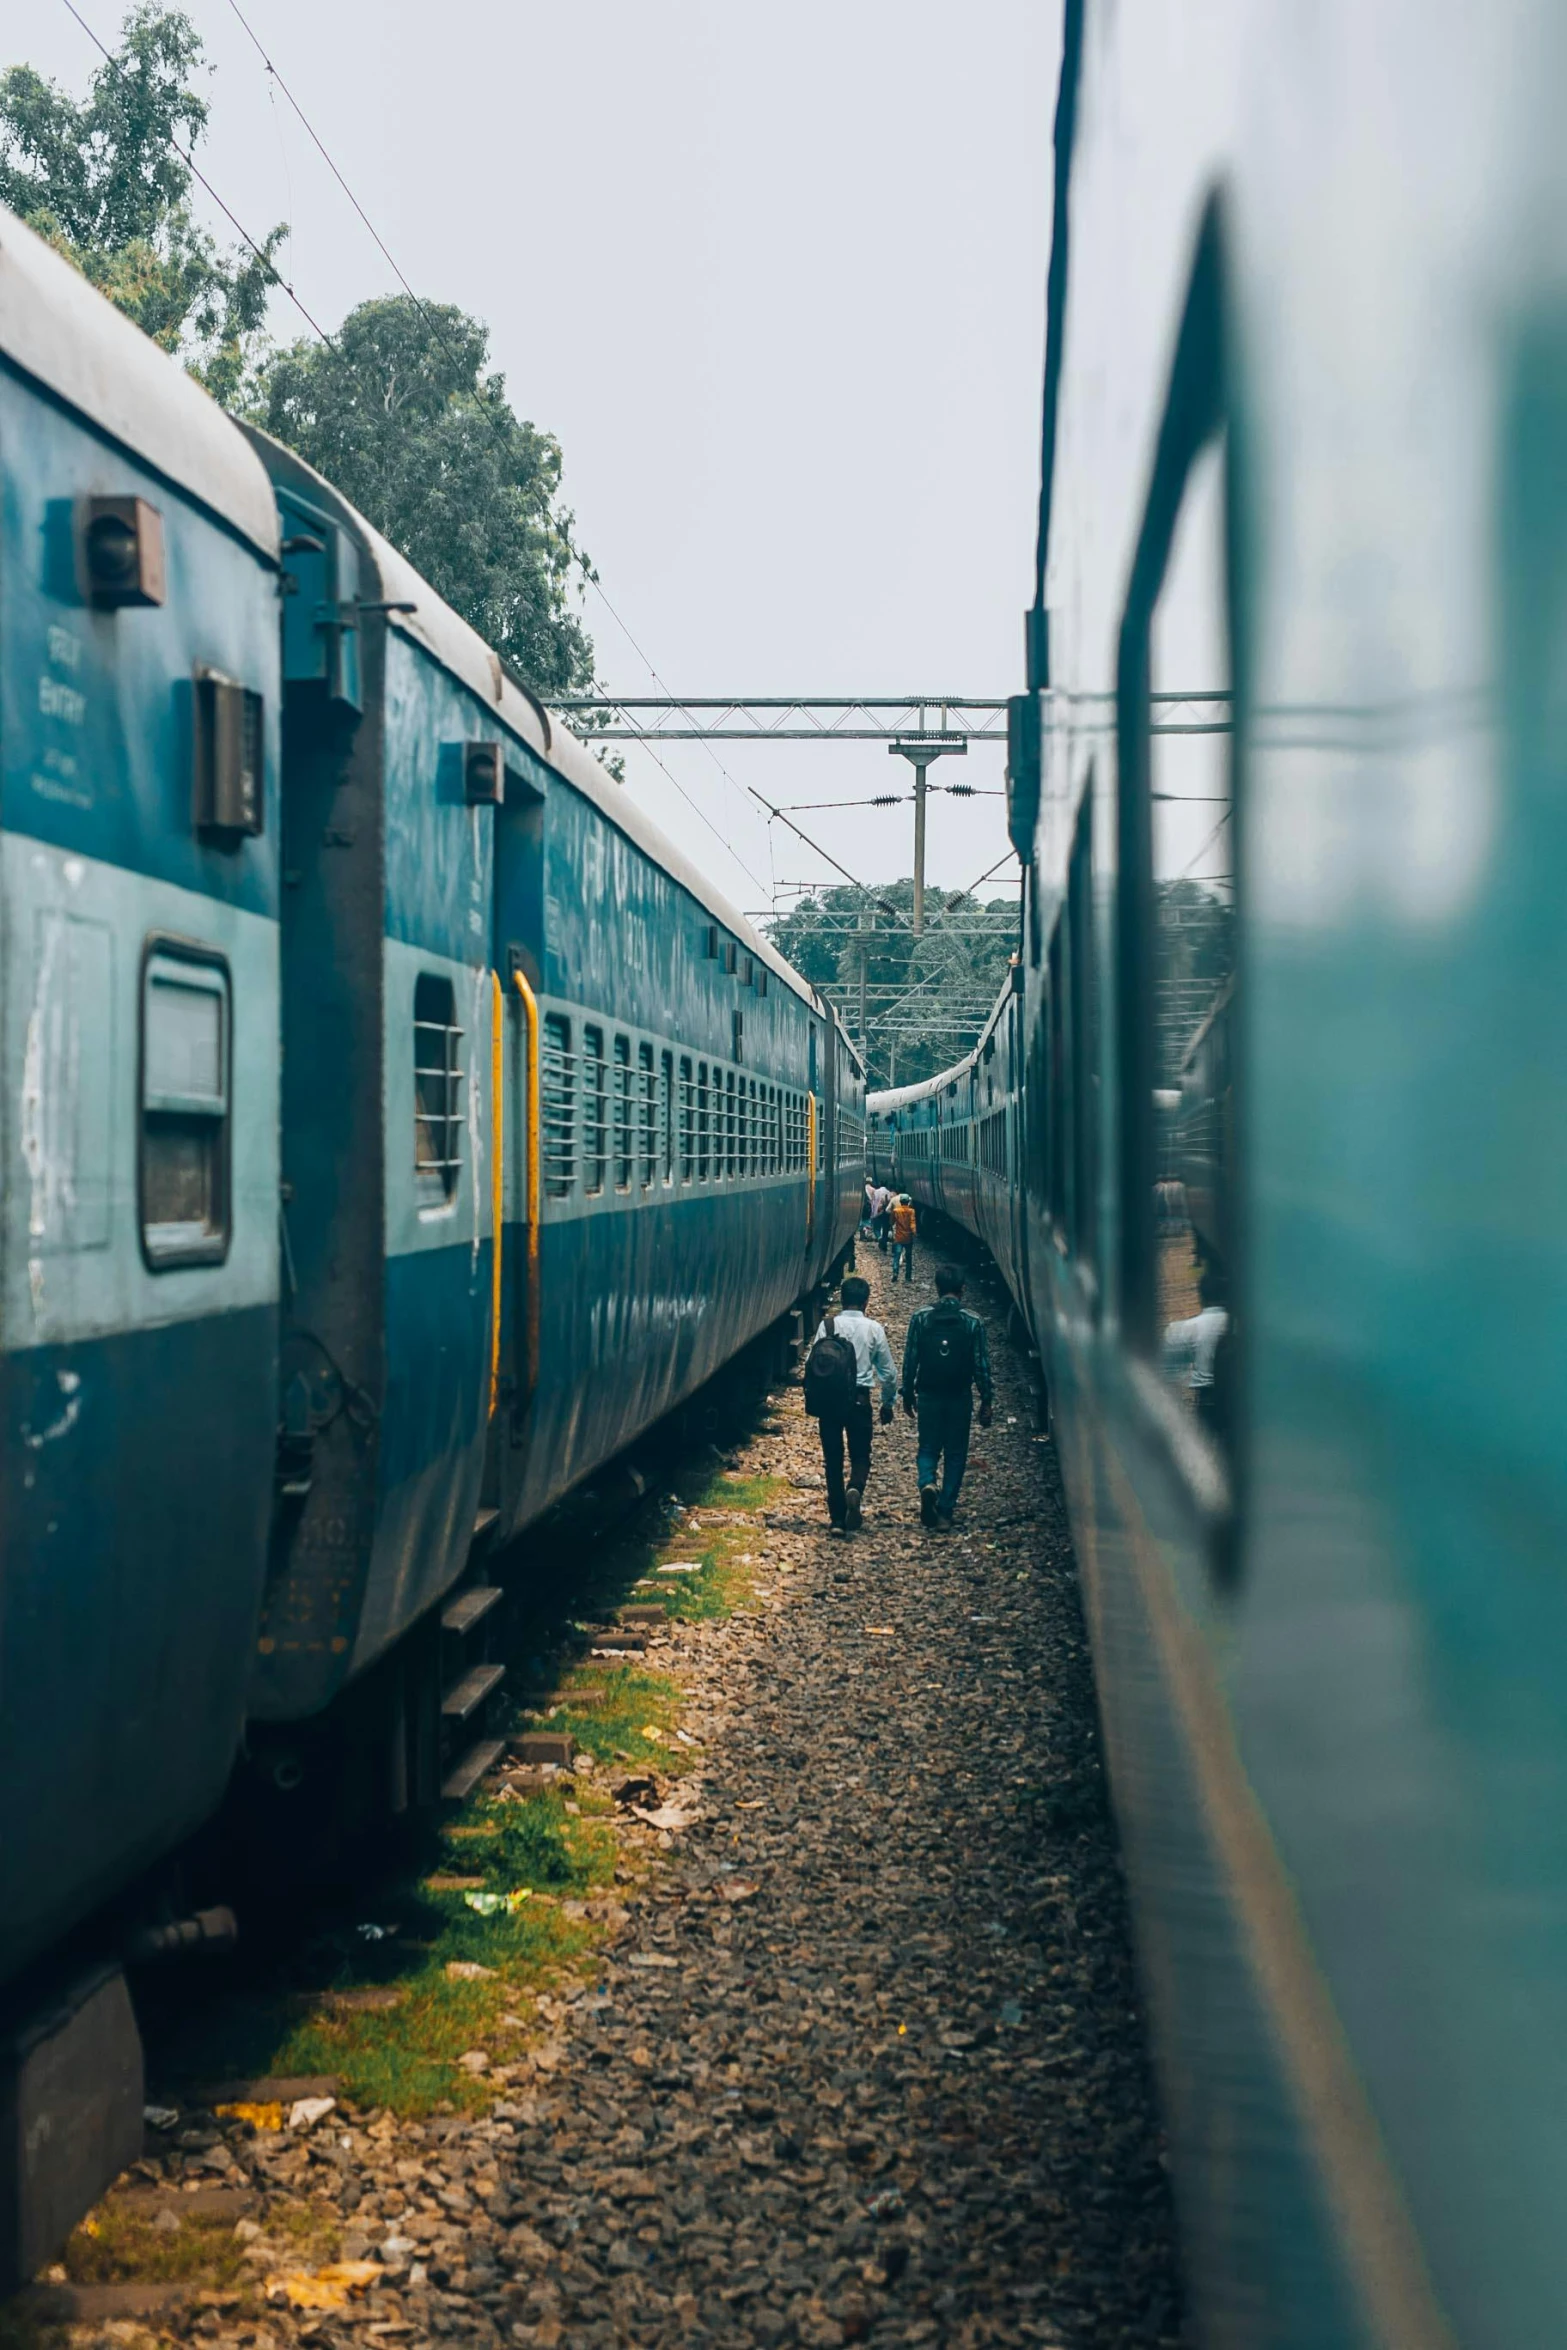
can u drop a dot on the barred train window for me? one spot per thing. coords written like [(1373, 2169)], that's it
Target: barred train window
[(184, 1111), (438, 1094), (560, 1108), (622, 1113), (595, 1111), (687, 1121), (704, 1123), (647, 1115), (666, 1113)]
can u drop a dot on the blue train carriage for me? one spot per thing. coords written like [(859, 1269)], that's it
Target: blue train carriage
[(559, 1138), (139, 710), (1294, 1232), (953, 1142)]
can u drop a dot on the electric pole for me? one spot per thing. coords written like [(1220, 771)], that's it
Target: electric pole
[(919, 750)]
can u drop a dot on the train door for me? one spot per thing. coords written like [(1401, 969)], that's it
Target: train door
[(518, 962)]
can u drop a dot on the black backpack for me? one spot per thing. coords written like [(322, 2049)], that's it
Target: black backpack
[(832, 1375), (946, 1361)]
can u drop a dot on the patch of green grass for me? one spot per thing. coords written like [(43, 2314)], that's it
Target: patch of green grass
[(615, 1729), (117, 2243)]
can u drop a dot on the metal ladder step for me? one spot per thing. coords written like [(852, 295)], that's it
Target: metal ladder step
[(462, 1779), (483, 1522), (461, 1614), (467, 1695)]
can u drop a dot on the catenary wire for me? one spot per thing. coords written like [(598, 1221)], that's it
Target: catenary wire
[(201, 178)]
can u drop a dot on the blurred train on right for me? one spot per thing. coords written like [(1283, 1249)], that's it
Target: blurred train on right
[(1268, 1130)]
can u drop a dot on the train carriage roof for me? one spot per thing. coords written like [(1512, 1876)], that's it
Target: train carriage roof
[(61, 331), (448, 639)]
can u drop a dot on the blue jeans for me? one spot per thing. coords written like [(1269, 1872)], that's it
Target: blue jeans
[(904, 1250), (944, 1422)]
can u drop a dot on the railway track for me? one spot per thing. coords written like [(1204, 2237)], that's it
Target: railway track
[(841, 2042)]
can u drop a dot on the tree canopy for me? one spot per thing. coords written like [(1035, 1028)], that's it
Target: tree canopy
[(398, 410), (400, 413), (926, 998), (106, 180)]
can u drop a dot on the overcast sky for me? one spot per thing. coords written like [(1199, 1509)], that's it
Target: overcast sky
[(777, 285)]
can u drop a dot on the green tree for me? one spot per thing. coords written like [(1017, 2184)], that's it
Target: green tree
[(400, 414), (926, 998), (106, 179)]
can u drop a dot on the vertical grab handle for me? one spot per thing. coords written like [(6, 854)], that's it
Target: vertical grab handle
[(497, 1175), (530, 1007)]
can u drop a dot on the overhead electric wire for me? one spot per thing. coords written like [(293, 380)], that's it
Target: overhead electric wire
[(437, 328), (197, 174)]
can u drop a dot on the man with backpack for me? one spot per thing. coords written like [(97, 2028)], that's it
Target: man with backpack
[(945, 1357), (849, 1354)]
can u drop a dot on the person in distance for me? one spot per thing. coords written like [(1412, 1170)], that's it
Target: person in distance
[(905, 1225), (848, 1355), (946, 1355), (881, 1215)]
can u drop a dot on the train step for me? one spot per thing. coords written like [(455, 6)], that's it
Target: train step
[(469, 1607), (483, 1522), (464, 1776), (464, 1697)]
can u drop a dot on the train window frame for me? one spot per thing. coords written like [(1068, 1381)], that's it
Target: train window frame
[(666, 1114), (168, 1112), (558, 1108), (1198, 423), (687, 1119), (704, 1124), (623, 1136), (595, 1111), (439, 1077), (647, 1116)]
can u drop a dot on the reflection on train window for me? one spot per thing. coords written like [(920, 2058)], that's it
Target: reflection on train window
[(560, 1109), (595, 1111), (1192, 974), (622, 1113), (687, 1121), (184, 1111), (438, 1083)]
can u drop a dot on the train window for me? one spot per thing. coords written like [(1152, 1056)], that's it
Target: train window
[(1177, 911), (761, 979), (559, 1108), (753, 1151), (595, 1111), (1082, 986), (184, 1179), (438, 1083), (647, 1114), (687, 1121), (666, 1113), (729, 1122), (623, 1120), (704, 1123)]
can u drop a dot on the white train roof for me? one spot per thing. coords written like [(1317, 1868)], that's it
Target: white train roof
[(903, 1097), (61, 331)]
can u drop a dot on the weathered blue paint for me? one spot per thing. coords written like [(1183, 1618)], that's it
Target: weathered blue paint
[(133, 1529), (135, 1436)]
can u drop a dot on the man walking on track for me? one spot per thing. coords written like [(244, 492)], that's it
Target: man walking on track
[(904, 1226), (849, 1354), (945, 1357)]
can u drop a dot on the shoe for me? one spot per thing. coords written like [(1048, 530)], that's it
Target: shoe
[(835, 1529), (927, 1505), (944, 1521), (852, 1520)]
